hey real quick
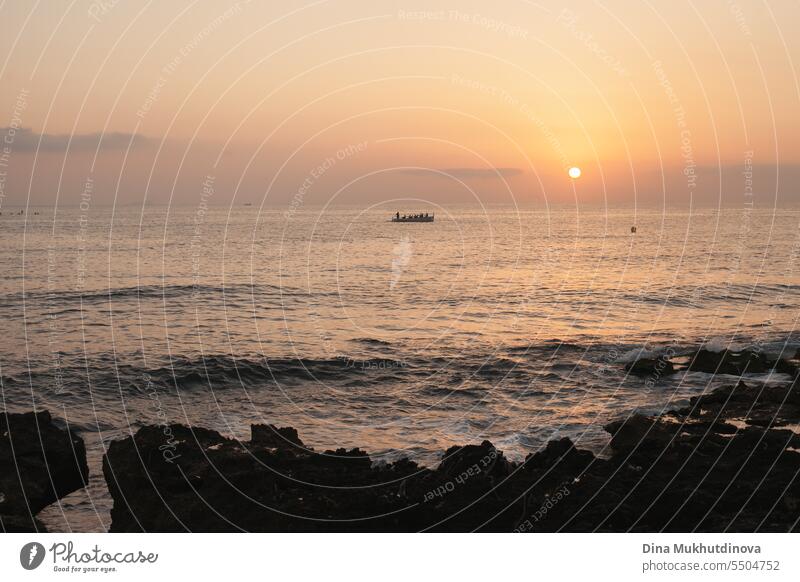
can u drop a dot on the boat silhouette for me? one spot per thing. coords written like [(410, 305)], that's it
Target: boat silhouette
[(412, 217)]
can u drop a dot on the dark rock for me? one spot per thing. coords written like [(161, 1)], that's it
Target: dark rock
[(21, 524), (730, 362), (210, 483), (485, 461), (560, 457), (703, 468), (789, 367), (39, 464), (767, 404), (638, 430), (723, 463), (653, 367), (268, 435)]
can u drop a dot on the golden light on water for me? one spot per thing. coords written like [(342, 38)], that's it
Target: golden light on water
[(574, 172)]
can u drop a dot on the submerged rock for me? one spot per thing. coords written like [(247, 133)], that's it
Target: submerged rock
[(730, 362), (39, 464), (654, 367)]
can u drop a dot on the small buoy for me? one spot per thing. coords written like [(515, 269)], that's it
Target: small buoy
[(633, 229)]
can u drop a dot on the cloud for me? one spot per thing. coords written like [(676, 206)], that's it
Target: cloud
[(462, 173), (26, 140)]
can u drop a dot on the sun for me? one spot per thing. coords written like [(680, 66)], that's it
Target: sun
[(574, 173)]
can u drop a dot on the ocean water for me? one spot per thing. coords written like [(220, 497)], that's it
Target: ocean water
[(492, 323)]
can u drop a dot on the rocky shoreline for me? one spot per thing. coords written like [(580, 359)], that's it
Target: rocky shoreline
[(39, 464), (729, 461)]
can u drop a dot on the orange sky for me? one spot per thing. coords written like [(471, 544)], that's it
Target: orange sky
[(657, 104)]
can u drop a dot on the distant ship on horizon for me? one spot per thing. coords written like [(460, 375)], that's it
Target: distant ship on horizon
[(413, 217)]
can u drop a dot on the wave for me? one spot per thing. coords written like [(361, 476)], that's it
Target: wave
[(465, 392), (146, 292), (371, 341), (696, 296), (224, 370), (73, 375), (550, 346), (103, 376)]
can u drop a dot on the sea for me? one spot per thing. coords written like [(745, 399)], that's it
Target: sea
[(503, 323)]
